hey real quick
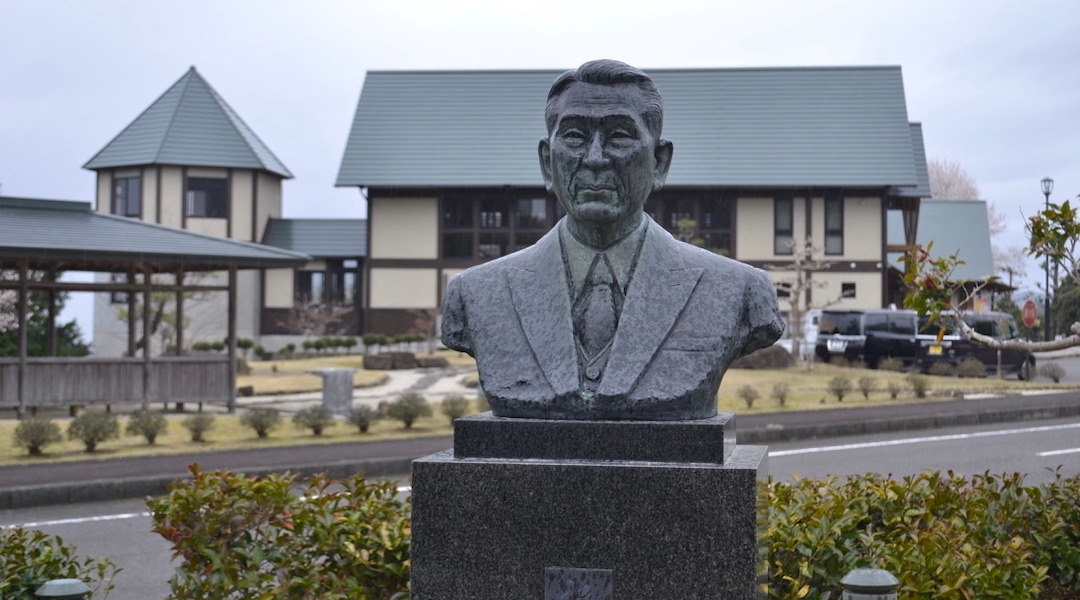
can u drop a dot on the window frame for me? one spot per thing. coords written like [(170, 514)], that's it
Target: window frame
[(833, 207), (123, 206), (784, 237), (219, 200), (494, 227)]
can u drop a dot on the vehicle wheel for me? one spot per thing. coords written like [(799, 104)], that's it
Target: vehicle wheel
[(1026, 372)]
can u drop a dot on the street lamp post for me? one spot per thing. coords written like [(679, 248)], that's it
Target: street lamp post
[(1047, 187)]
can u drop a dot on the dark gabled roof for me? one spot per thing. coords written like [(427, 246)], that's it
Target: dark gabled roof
[(321, 238), (192, 125), (782, 127), (955, 226), (922, 174), (49, 230)]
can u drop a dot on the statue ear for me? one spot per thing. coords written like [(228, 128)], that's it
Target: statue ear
[(545, 163), (664, 149)]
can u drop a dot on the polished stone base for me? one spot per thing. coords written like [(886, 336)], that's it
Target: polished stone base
[(528, 528)]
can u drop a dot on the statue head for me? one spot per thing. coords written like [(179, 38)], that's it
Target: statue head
[(603, 155)]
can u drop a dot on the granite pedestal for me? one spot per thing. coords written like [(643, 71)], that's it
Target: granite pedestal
[(514, 512)]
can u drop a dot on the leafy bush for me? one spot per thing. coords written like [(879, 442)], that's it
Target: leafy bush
[(919, 384), (748, 394), (867, 385), (971, 367), (363, 416), (245, 344), (891, 364), (92, 428), (262, 419), (34, 434), (249, 537), (147, 423), (1053, 371), (408, 408), (30, 558), (455, 407), (894, 388), (840, 386), (374, 339), (197, 425), (315, 418), (780, 392), (945, 535), (941, 368)]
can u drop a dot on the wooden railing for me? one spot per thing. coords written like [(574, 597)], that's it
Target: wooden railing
[(82, 381)]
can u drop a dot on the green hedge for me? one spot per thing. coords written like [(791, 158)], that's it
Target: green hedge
[(249, 537), (943, 535), (30, 558)]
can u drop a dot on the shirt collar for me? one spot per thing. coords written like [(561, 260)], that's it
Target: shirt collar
[(622, 254)]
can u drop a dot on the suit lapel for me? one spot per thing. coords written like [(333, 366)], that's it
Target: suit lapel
[(653, 303), (542, 300)]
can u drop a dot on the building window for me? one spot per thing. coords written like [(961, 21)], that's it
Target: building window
[(784, 226), (834, 226), (127, 196), (701, 218), (207, 198), (504, 221), (118, 297), (847, 290), (310, 287)]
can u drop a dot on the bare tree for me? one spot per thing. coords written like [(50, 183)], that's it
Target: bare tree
[(950, 181), (313, 318), (426, 323), (797, 284)]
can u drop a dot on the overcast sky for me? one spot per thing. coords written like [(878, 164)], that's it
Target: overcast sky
[(994, 83)]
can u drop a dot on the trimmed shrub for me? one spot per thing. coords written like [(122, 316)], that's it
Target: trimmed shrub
[(780, 393), (262, 419), (34, 434), (93, 428), (987, 536), (867, 385), (197, 425), (891, 364), (840, 386), (941, 368), (408, 408), (251, 537), (315, 418), (363, 417), (1052, 371), (372, 340), (919, 384), (455, 407), (147, 423), (29, 558), (971, 367), (748, 394), (894, 388)]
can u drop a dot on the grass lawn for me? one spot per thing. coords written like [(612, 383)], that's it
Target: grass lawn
[(808, 390)]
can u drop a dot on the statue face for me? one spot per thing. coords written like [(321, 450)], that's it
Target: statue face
[(600, 160)]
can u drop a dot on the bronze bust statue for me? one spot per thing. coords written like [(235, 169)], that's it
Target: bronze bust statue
[(607, 316)]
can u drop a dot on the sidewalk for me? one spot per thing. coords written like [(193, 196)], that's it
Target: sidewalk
[(101, 480)]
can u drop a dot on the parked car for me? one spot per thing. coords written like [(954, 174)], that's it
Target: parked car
[(871, 336), (1001, 326)]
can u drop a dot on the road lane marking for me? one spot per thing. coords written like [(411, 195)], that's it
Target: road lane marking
[(1058, 452), (921, 440), (78, 520)]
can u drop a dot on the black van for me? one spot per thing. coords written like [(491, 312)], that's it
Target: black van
[(871, 336)]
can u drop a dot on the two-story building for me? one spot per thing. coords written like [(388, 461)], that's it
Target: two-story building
[(765, 160)]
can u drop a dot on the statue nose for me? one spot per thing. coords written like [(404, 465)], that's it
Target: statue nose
[(594, 154)]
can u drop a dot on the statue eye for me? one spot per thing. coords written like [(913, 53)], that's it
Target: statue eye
[(622, 136), (573, 137)]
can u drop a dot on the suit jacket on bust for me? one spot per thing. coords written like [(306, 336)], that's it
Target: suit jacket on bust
[(688, 314)]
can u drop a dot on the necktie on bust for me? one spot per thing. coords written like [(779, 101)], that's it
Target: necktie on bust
[(597, 308)]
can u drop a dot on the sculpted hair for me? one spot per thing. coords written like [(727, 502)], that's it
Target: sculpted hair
[(609, 72)]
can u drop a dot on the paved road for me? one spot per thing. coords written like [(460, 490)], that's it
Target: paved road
[(121, 529)]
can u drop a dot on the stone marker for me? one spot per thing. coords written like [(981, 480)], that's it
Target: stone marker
[(337, 393)]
